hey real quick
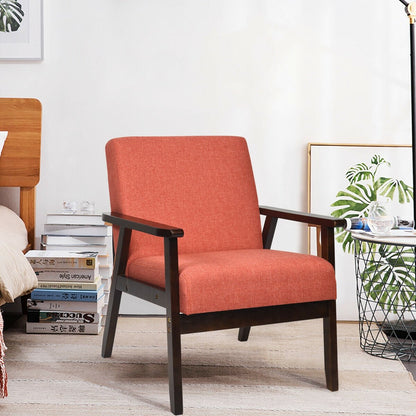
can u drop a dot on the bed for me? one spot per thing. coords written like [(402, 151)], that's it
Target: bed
[(19, 168)]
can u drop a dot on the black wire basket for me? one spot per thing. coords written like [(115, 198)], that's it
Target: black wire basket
[(385, 275)]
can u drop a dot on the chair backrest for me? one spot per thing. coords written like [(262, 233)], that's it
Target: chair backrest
[(204, 185)]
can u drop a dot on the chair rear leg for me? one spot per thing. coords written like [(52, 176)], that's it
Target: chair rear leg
[(175, 367), (111, 321), (330, 347), (243, 333)]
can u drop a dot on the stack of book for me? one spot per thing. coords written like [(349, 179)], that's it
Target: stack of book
[(70, 295), (81, 232)]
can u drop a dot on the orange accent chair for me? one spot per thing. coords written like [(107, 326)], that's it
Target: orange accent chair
[(211, 267)]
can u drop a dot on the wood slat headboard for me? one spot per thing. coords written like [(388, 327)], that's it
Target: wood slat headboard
[(20, 158)]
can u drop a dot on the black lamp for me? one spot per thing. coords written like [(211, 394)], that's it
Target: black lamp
[(411, 12)]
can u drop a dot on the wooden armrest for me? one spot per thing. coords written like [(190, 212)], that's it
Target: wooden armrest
[(325, 223), (139, 224), (313, 219)]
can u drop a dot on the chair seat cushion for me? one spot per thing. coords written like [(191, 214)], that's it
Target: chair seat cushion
[(238, 279)]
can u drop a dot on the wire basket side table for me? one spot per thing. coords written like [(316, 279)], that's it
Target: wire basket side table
[(386, 295)]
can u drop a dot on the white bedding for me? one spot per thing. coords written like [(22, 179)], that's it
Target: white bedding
[(17, 277), (12, 229), (3, 137)]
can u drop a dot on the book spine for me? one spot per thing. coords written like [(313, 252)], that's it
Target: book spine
[(69, 285), (62, 262), (62, 328), (101, 250), (58, 294), (80, 275), (34, 315), (105, 271), (76, 230), (65, 306), (64, 219), (104, 259), (61, 240)]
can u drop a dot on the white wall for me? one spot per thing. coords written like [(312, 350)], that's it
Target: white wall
[(282, 73)]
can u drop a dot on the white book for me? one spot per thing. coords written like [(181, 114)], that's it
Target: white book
[(67, 275), (66, 305), (51, 259), (84, 219), (64, 240), (71, 285), (105, 271), (104, 260), (100, 250), (62, 328), (77, 230), (37, 315), (106, 283)]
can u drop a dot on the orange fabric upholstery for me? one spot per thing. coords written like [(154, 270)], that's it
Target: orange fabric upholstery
[(204, 185), (239, 279)]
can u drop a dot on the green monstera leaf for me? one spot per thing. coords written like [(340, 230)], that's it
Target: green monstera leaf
[(359, 172), (390, 187), (389, 280), (353, 202), (362, 172), (11, 15), (364, 187)]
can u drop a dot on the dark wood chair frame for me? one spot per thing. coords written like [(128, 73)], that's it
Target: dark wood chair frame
[(178, 324)]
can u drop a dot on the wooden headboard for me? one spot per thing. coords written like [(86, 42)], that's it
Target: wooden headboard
[(20, 158)]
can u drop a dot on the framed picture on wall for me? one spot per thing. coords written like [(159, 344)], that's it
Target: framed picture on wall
[(341, 180), (21, 30)]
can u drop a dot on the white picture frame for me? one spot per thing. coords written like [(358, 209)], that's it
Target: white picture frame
[(327, 167), (27, 42)]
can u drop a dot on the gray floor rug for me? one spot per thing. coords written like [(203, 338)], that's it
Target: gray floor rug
[(279, 371)]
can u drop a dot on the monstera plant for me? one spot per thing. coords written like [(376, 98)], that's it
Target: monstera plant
[(364, 186), (11, 15), (389, 275)]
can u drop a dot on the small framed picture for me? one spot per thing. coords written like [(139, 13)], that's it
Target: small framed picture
[(21, 30)]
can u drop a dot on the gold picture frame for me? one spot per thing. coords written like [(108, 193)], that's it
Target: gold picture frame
[(327, 166)]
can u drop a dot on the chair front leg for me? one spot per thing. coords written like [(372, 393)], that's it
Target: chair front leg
[(111, 321), (173, 325), (123, 244), (175, 366)]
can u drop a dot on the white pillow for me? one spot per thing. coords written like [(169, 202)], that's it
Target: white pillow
[(17, 277), (12, 229)]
